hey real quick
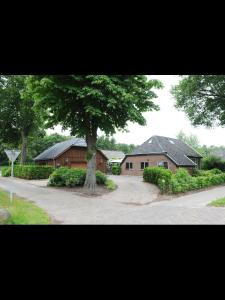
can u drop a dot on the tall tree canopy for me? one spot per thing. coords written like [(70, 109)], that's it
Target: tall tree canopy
[(86, 103), (202, 98), (17, 117)]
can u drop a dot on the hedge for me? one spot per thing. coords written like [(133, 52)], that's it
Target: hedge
[(182, 181), (73, 177), (29, 171), (212, 162), (158, 176)]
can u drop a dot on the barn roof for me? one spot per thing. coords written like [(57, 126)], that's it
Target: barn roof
[(59, 148), (56, 150)]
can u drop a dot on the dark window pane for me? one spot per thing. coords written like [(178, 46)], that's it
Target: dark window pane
[(127, 166), (146, 165), (131, 165), (166, 165), (142, 165)]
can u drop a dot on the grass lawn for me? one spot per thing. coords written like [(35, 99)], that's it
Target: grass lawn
[(218, 203), (23, 212)]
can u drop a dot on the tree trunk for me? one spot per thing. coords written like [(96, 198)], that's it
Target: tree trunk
[(90, 181), (24, 149)]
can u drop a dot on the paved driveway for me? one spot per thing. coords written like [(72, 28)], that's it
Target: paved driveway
[(132, 203)]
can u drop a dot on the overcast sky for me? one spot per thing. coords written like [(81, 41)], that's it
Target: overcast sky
[(166, 122)]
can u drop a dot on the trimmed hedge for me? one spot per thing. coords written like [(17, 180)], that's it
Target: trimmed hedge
[(158, 176), (29, 171), (182, 181), (6, 171), (197, 173), (116, 170), (73, 177)]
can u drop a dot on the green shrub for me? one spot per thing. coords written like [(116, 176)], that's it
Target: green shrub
[(116, 170), (197, 173), (158, 176), (110, 185), (29, 171), (6, 171), (182, 181), (73, 177), (101, 178), (67, 177), (213, 162)]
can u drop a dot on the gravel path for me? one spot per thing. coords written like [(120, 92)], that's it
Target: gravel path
[(132, 203)]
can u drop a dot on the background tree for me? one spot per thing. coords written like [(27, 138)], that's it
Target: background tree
[(107, 143), (86, 103), (202, 98), (192, 140), (17, 117)]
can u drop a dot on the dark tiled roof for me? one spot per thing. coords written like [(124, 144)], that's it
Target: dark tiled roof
[(113, 154), (59, 148), (175, 149)]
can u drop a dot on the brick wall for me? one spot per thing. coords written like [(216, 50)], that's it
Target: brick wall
[(151, 159)]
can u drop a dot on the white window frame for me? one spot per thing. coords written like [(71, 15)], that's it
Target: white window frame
[(162, 162), (129, 162)]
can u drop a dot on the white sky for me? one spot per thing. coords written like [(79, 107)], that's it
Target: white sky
[(166, 122)]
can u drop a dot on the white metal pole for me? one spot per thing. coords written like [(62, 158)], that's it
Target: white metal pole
[(12, 169)]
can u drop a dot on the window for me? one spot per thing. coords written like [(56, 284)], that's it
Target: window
[(163, 164), (129, 166), (144, 165)]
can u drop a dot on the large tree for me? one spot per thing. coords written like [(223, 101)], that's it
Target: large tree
[(86, 103), (17, 117), (202, 98)]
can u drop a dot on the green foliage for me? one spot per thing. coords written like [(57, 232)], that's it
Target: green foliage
[(40, 141), (182, 181), (197, 173), (29, 171), (110, 185), (86, 103), (158, 176), (23, 212), (116, 169), (18, 119), (212, 162), (107, 143), (105, 101), (218, 203), (6, 171), (202, 98), (73, 177), (101, 178), (191, 140)]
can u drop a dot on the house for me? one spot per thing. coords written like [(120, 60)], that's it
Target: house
[(160, 151), (72, 154)]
